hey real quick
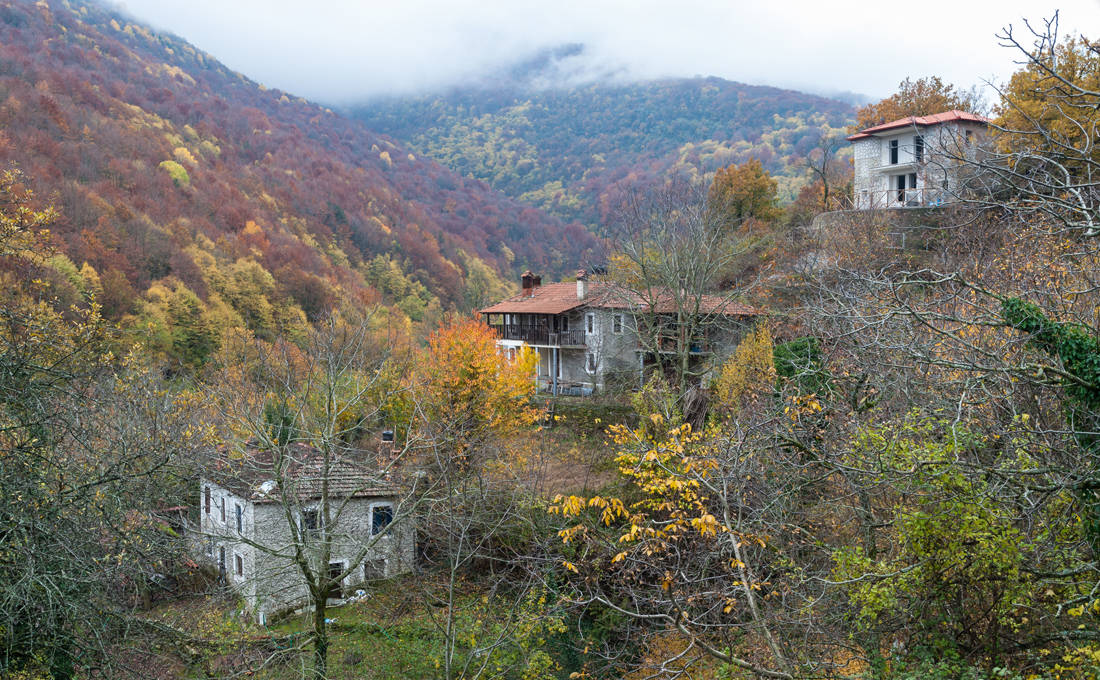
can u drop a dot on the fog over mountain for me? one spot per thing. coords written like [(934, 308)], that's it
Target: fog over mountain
[(340, 52)]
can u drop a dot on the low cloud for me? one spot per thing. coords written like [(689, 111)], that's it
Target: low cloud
[(343, 51)]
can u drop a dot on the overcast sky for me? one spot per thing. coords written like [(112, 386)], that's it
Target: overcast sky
[(340, 51)]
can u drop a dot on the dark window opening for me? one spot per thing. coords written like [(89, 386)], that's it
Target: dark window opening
[(589, 323), (912, 180), (221, 562), (591, 363), (206, 499), (311, 522), (335, 587), (222, 504), (380, 518), (617, 323), (240, 519), (893, 152), (239, 565), (918, 148), (899, 184), (387, 436)]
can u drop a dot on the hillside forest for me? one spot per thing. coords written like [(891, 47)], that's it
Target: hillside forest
[(572, 151), (894, 476)]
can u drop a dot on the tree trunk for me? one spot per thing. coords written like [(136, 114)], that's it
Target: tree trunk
[(320, 635)]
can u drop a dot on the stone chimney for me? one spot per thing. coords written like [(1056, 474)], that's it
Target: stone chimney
[(530, 283), (582, 284)]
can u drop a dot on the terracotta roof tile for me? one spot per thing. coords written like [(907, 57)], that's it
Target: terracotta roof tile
[(558, 298), (553, 298), (933, 119)]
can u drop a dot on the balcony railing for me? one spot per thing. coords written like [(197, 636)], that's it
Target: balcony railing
[(902, 198), (540, 335)]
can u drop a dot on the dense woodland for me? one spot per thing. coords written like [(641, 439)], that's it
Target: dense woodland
[(181, 184), (572, 151), (895, 476)]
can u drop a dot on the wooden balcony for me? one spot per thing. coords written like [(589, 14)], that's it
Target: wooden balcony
[(540, 335)]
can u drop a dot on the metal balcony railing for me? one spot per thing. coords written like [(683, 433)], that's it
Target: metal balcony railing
[(540, 335)]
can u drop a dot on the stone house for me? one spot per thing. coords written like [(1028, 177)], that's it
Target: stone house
[(246, 516), (915, 161), (591, 333)]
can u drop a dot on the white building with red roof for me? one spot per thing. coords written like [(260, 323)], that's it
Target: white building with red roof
[(913, 162), (590, 332)]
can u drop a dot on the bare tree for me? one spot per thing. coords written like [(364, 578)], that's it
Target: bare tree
[(301, 423), (674, 249), (1042, 161)]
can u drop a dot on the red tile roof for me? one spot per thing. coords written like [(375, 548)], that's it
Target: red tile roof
[(553, 298), (558, 298), (934, 119)]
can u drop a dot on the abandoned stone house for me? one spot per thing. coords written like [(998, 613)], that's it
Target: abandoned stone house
[(246, 516), (590, 333), (914, 162)]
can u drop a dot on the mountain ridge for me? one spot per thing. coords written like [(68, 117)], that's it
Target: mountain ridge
[(140, 138), (571, 150)]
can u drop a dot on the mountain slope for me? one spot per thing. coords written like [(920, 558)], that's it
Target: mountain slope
[(169, 169), (564, 148)]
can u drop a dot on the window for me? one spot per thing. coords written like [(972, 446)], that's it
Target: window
[(590, 362), (380, 518), (589, 323), (335, 588), (564, 323), (617, 324), (311, 521), (893, 152), (240, 518), (221, 561), (222, 505), (206, 499), (899, 185), (374, 570), (239, 564), (918, 148), (969, 134)]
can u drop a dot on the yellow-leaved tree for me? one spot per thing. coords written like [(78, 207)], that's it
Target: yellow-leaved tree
[(678, 553), (747, 375)]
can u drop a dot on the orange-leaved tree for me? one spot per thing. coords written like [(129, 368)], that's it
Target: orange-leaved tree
[(744, 191), (469, 391), (477, 409)]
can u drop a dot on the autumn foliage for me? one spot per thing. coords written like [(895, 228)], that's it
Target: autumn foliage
[(921, 97), (190, 194), (469, 386)]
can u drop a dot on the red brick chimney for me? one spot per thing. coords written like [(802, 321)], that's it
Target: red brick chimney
[(530, 283)]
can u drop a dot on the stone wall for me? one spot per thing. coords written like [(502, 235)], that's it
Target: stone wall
[(270, 580)]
